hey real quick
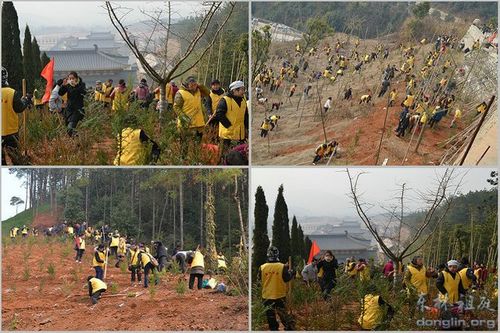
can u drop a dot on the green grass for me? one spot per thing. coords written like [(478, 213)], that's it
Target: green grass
[(180, 288), (23, 218), (51, 270)]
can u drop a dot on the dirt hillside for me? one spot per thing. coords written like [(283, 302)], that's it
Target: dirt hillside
[(33, 300)]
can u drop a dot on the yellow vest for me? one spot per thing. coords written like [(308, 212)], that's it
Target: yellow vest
[(393, 96), (134, 257), (466, 282), (106, 92), (273, 286), (423, 119), (476, 273), (10, 120), (170, 95), (70, 230), (458, 114), (480, 108), (236, 115), (114, 241), (97, 95), (351, 271), (12, 233), (102, 256), (192, 108), (82, 243), (371, 312), (145, 259), (364, 275), (133, 151), (221, 262), (120, 101), (122, 246), (97, 285), (265, 126), (198, 260), (24, 231), (16, 229), (451, 286), (418, 279), (408, 101), (215, 100)]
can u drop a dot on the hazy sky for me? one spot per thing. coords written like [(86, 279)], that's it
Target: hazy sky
[(86, 13), (325, 191), (11, 186)]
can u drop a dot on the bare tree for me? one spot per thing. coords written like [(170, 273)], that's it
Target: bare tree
[(153, 49), (437, 203)]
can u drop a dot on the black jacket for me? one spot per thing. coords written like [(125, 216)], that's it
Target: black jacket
[(328, 269), (76, 94), (220, 113), (161, 251)]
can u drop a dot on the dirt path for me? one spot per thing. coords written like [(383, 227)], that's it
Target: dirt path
[(356, 127), (34, 301)]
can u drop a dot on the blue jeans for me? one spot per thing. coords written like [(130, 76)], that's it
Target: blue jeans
[(99, 272)]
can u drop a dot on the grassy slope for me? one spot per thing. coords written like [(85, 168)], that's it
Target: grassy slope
[(25, 217)]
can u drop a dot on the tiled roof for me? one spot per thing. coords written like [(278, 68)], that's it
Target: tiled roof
[(84, 60), (339, 242)]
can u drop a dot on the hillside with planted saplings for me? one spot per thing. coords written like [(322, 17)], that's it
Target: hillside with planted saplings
[(134, 249), (419, 95)]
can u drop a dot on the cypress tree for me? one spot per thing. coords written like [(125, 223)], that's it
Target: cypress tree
[(281, 229), (28, 63), (260, 237), (45, 59), (12, 58), (37, 61), (302, 246), (307, 243), (294, 239)]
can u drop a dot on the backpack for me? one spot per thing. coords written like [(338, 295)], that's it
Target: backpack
[(154, 262)]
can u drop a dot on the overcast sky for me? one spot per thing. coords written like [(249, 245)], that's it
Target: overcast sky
[(86, 13), (11, 186), (325, 191)]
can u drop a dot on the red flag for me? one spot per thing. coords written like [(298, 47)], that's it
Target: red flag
[(48, 74), (314, 251)]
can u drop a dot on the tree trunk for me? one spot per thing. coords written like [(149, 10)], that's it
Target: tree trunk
[(201, 213), (163, 98), (181, 213), (240, 215), (211, 249), (175, 233), (229, 225)]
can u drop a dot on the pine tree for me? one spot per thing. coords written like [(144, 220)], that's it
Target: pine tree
[(281, 229), (294, 239), (307, 244), (12, 58), (28, 63), (260, 237), (37, 61), (45, 59), (302, 246)]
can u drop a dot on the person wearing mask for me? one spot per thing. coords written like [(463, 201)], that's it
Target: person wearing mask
[(329, 265), (12, 105), (74, 112)]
